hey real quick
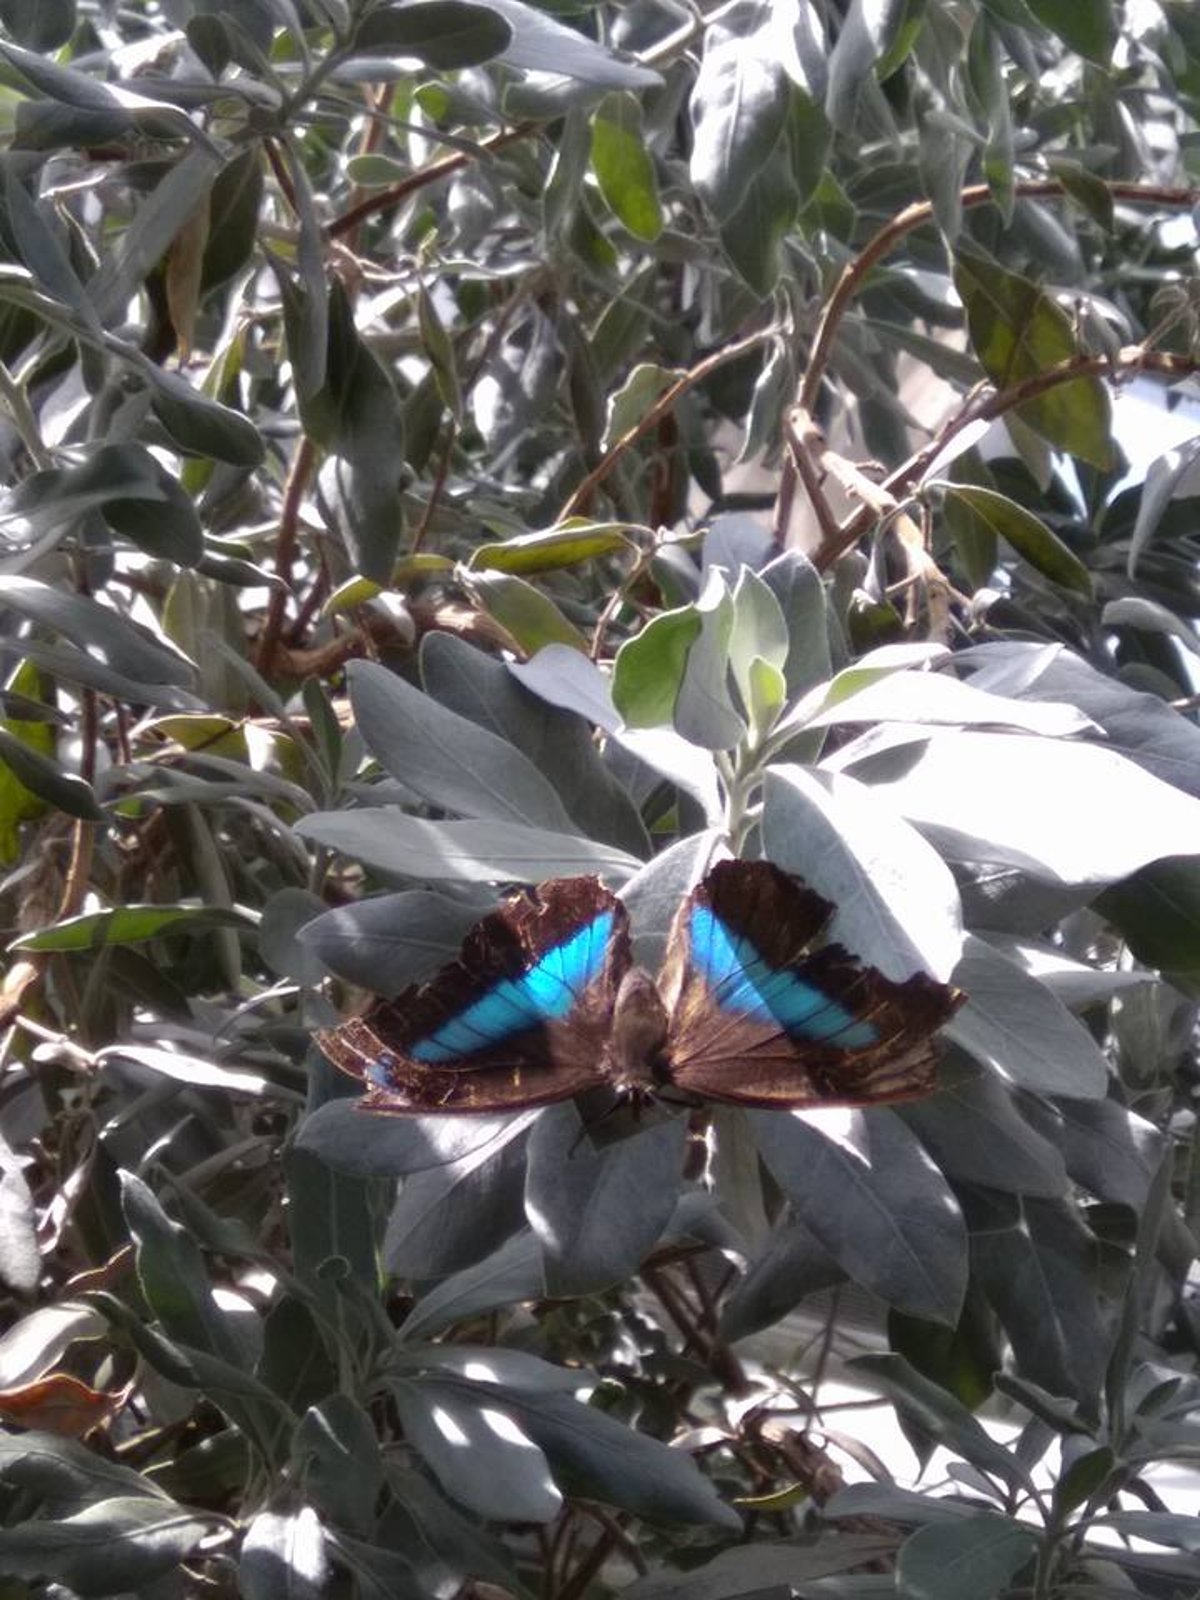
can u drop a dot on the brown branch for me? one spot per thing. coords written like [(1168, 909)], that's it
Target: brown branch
[(1132, 359), (285, 550), (855, 272), (392, 196), (665, 403)]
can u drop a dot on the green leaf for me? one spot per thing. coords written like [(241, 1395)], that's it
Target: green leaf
[(1088, 191), (198, 425), (980, 1557), (624, 168), (739, 108), (570, 543), (17, 802), (461, 852), (444, 34), (495, 1470), (1028, 535), (438, 347), (132, 924), (873, 1200), (112, 1547), (940, 1416), (649, 667), (1158, 911), (40, 25), (596, 1457), (123, 644), (704, 710), (284, 1555), (43, 777), (451, 763), (644, 386), (1017, 332), (1088, 26), (752, 236), (356, 414), (527, 614), (599, 1212)]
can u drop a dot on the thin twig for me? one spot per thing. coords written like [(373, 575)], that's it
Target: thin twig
[(855, 273), (1134, 358), (285, 550), (579, 499), (392, 196)]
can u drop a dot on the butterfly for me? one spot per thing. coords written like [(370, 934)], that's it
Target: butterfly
[(545, 1002)]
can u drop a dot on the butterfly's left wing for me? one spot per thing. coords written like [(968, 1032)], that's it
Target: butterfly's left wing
[(522, 1018), (759, 1018)]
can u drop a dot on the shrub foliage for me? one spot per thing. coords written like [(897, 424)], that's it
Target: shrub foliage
[(413, 417)]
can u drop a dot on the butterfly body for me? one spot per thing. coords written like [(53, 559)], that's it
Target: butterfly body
[(544, 1002)]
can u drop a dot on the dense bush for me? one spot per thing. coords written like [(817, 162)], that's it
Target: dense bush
[(413, 417)]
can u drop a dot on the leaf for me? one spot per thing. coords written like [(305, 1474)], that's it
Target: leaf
[(1157, 910), (569, 544), (1017, 332), (980, 1555), (356, 414), (112, 1547), (284, 1555), (62, 1474), (1017, 1027), (704, 710), (1167, 475), (40, 25), (793, 1266), (344, 1471), (389, 941), (198, 425), (649, 667), (862, 1185), (540, 44), (599, 1211), (937, 699), (450, 1216), (1014, 799), (1174, 1529), (1028, 535), (624, 168), (449, 762), (445, 34), (130, 924), (36, 1342), (593, 1456), (1041, 1273), (565, 678), (510, 1274), (20, 1252), (739, 107), (753, 235), (866, 35), (351, 1140), (122, 643), (976, 1135), (479, 1453), (1087, 26), (43, 777), (560, 744), (527, 614), (848, 1561), (896, 903), (173, 1277), (462, 852), (941, 1416)]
